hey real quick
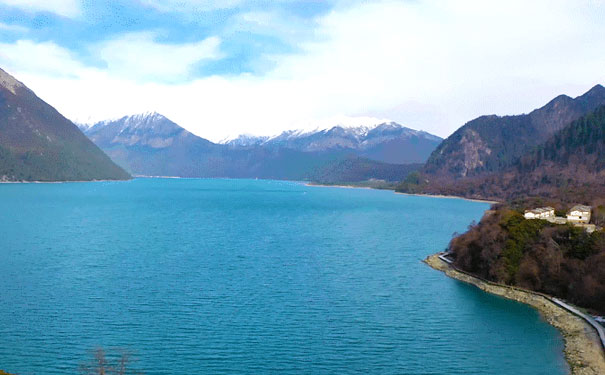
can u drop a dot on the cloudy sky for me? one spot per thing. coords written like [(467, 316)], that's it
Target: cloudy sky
[(221, 68)]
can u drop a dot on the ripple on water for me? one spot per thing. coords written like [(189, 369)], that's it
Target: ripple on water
[(249, 277)]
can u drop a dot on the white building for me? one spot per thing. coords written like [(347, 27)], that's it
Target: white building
[(543, 213), (579, 214)]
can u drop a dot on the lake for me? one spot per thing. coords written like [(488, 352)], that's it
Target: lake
[(215, 276)]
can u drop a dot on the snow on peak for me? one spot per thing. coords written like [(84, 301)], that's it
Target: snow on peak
[(244, 140), (346, 129), (144, 118)]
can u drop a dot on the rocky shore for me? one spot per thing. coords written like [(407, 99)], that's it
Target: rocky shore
[(583, 349)]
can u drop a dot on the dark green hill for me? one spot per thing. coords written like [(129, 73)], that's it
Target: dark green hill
[(38, 144), (582, 143)]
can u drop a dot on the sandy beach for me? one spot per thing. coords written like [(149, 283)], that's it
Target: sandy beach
[(583, 350)]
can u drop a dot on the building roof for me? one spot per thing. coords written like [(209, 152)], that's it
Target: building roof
[(581, 208), (540, 210)]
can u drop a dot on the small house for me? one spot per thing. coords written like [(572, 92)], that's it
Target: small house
[(531, 214), (543, 213), (579, 214)]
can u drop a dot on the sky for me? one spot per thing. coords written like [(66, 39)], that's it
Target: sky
[(229, 67)]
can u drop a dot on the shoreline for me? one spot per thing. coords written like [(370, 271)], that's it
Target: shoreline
[(583, 350), (60, 182), (310, 184), (398, 192), (449, 197)]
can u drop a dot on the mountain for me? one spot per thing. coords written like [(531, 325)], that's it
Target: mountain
[(492, 143), (151, 144), (38, 144), (387, 142), (569, 167)]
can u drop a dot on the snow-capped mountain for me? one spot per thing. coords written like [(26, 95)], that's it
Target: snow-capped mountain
[(146, 129), (387, 142), (151, 144)]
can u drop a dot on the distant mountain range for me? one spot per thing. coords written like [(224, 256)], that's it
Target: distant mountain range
[(554, 151), (38, 144), (387, 142), (150, 144)]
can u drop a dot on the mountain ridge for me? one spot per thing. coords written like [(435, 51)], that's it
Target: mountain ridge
[(37, 143), (568, 164), (151, 144), (491, 143)]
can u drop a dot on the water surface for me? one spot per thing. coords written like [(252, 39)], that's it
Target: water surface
[(249, 277)]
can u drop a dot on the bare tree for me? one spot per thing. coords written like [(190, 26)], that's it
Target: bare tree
[(102, 364)]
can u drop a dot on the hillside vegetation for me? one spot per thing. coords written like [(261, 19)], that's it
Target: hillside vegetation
[(491, 144), (568, 167), (560, 260)]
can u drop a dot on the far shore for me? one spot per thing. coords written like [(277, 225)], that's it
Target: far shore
[(398, 192), (341, 186), (449, 197), (60, 182), (583, 350)]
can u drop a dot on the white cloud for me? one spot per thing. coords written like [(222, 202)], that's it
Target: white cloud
[(13, 28), (40, 59), (65, 8), (190, 5), (431, 65), (140, 56)]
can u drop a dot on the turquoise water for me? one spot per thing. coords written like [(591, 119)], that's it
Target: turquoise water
[(249, 277)]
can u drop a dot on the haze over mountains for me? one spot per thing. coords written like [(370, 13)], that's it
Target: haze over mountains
[(151, 144), (38, 144)]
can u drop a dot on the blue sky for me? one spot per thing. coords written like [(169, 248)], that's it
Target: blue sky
[(221, 68), (76, 25)]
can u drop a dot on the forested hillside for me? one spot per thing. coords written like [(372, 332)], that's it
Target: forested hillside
[(569, 166), (490, 144), (580, 143), (560, 260)]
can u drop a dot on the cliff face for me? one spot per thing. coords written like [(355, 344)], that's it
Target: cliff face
[(491, 143), (38, 144)]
